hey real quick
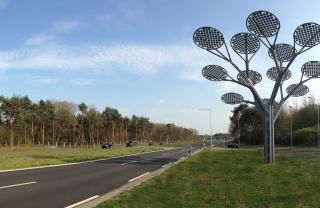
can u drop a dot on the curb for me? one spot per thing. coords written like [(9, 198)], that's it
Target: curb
[(131, 185)]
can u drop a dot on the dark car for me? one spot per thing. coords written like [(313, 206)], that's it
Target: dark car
[(106, 146), (233, 145), (132, 143), (150, 143), (162, 142)]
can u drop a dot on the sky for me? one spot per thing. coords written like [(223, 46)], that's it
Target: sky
[(136, 55)]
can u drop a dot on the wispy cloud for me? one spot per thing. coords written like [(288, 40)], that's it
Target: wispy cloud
[(3, 4), (39, 39), (65, 26), (40, 79), (52, 33), (81, 81), (161, 101), (134, 58)]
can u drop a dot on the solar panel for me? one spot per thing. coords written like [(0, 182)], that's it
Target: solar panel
[(245, 43), (263, 24), (208, 38), (254, 77), (283, 52), (311, 69), (299, 91), (232, 98), (273, 74), (307, 35), (214, 73)]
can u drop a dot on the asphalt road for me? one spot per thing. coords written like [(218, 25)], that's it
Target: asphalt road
[(65, 186)]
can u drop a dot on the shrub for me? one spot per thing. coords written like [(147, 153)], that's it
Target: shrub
[(305, 136)]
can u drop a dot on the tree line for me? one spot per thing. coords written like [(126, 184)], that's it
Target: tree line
[(23, 122), (304, 119)]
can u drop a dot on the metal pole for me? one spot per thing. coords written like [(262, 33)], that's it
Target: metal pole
[(318, 127), (291, 126), (208, 109), (238, 132), (211, 126)]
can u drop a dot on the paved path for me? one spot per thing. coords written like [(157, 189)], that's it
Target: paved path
[(65, 186)]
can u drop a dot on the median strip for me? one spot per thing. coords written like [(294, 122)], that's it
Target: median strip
[(139, 176), (82, 202), (15, 185)]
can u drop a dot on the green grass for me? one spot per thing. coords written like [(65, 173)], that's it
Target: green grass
[(230, 178), (12, 157)]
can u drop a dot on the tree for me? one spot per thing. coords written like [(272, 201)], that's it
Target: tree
[(11, 109), (111, 116), (263, 28)]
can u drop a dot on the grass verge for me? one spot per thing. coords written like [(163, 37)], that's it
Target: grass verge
[(230, 178), (22, 157)]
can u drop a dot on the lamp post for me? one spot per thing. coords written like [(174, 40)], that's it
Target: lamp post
[(239, 116), (291, 126), (318, 120), (208, 109)]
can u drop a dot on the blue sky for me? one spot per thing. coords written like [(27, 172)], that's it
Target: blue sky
[(134, 55)]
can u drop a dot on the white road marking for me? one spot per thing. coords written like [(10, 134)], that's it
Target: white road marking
[(82, 202), (129, 162), (139, 176), (20, 184), (166, 165)]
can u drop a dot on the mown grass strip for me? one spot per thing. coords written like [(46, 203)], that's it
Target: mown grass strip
[(24, 157), (230, 178)]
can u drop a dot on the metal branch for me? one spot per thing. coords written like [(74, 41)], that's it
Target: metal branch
[(220, 56), (247, 101), (283, 100)]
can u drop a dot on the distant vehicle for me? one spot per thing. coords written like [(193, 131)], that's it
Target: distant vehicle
[(233, 145), (150, 143), (106, 146), (162, 142), (132, 143)]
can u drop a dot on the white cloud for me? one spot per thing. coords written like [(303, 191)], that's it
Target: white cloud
[(65, 26), (226, 86), (40, 79), (81, 81), (3, 4), (134, 58), (161, 101), (39, 39)]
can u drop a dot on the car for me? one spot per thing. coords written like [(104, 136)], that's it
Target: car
[(233, 145), (132, 143), (150, 142), (106, 146), (162, 142)]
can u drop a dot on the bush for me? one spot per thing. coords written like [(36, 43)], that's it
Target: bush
[(305, 136)]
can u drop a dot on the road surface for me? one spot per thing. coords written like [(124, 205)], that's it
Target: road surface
[(65, 186)]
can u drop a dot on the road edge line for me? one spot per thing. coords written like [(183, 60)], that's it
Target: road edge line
[(131, 185), (82, 202)]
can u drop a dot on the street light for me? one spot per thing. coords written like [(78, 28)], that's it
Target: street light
[(208, 109), (318, 121), (239, 116), (291, 126)]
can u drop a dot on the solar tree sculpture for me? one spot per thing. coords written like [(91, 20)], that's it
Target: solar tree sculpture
[(263, 28)]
